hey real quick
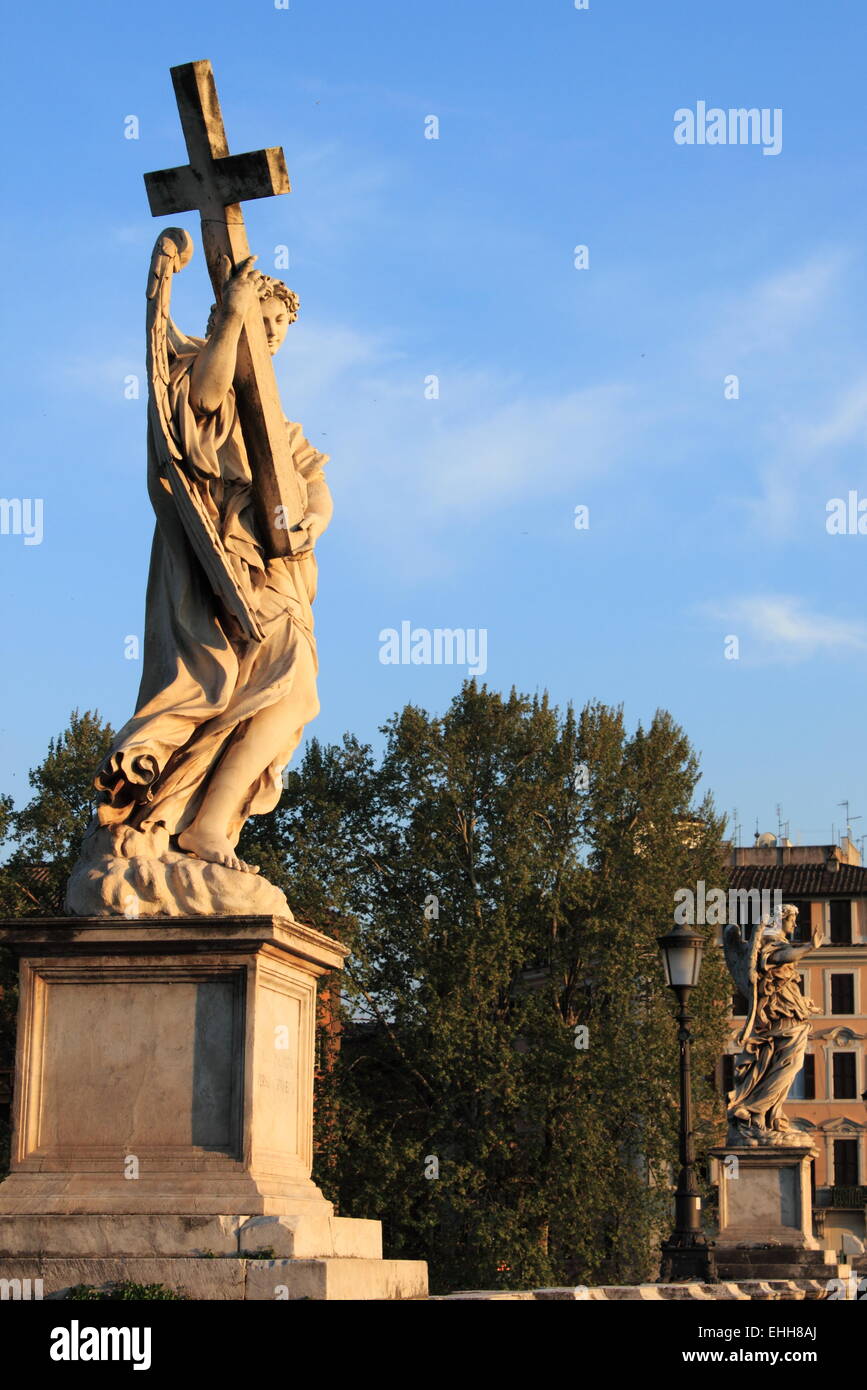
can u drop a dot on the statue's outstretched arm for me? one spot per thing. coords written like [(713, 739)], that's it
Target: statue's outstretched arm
[(786, 953), (783, 955)]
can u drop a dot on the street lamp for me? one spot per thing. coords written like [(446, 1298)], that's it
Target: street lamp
[(686, 1254)]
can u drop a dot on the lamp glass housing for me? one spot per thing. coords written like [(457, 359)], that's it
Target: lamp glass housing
[(681, 956)]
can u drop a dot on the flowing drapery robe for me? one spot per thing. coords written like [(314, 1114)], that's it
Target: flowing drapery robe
[(201, 680), (778, 1038)]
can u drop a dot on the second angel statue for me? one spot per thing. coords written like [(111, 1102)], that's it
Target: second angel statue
[(229, 656), (776, 1029)]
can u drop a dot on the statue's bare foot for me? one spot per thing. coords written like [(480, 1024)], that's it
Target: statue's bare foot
[(213, 848)]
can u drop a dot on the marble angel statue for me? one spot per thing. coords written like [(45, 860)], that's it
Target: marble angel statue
[(776, 1029), (229, 655)]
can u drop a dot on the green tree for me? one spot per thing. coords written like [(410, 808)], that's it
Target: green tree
[(501, 877), (46, 834)]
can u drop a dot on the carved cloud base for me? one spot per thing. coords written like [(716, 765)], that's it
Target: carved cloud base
[(746, 1136), (131, 874)]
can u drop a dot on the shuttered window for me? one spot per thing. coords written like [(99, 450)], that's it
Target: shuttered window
[(845, 1162), (842, 994), (844, 1069), (841, 923)]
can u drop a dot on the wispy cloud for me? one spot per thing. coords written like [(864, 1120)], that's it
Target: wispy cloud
[(765, 317), (491, 438), (780, 627), (485, 443), (791, 340)]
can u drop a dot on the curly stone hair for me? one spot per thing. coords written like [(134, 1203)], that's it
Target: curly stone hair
[(267, 287)]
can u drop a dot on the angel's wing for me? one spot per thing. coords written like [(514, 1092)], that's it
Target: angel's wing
[(741, 957), (172, 251)]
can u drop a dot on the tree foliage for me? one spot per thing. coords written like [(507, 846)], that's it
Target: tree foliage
[(501, 876), (45, 835)]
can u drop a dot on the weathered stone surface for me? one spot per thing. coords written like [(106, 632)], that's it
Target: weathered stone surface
[(356, 1237), (768, 1200), (123, 872), (165, 1066), (489, 1296), (726, 1291), (109, 1236), (336, 1280), (632, 1293), (197, 1278), (777, 1262), (760, 1289), (311, 1236), (570, 1294), (164, 1109), (684, 1291), (232, 1278)]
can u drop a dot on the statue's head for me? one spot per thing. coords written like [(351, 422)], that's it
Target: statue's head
[(279, 307), (789, 919), (781, 925)]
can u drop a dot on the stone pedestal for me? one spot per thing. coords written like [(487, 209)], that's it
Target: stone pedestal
[(163, 1113), (764, 1195), (765, 1214)]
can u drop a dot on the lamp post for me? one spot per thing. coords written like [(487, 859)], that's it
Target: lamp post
[(687, 1253)]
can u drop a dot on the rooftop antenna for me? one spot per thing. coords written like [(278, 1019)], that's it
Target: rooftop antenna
[(736, 828), (849, 820), (758, 832), (779, 822)]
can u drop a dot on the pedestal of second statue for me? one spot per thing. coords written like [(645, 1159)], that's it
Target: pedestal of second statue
[(766, 1214)]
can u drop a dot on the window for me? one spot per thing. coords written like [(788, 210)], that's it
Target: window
[(842, 994), (804, 1084), (728, 1073), (845, 1162), (841, 924), (739, 1005), (843, 1064), (802, 925)]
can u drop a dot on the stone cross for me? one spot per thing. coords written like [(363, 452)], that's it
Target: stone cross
[(215, 183)]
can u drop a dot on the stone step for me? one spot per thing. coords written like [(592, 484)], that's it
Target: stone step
[(223, 1278), (306, 1234), (739, 1273), (775, 1254)]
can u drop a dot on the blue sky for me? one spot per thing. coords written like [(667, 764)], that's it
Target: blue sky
[(558, 387)]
